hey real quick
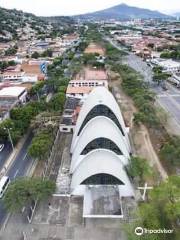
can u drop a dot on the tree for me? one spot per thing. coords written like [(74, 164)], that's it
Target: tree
[(35, 55), (4, 64), (159, 76), (89, 58), (37, 88), (22, 116), (162, 211), (170, 152), (62, 89), (166, 197), (57, 102), (11, 51), (165, 54), (3, 132), (162, 115), (41, 145), (139, 167), (23, 191), (47, 53)]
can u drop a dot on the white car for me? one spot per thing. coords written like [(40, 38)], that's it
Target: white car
[(1, 147)]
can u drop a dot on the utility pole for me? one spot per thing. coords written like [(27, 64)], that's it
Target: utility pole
[(10, 138)]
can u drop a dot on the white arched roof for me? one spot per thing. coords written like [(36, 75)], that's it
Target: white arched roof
[(99, 95), (99, 127), (100, 161)]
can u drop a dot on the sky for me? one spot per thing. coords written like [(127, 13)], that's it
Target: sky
[(73, 7)]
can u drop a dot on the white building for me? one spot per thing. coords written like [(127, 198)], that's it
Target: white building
[(16, 93), (86, 82), (100, 146), (169, 65), (12, 76)]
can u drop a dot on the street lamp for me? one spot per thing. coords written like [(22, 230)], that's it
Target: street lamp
[(10, 138)]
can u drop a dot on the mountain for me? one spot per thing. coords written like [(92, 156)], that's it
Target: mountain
[(122, 11), (59, 20), (12, 20), (63, 22), (16, 25)]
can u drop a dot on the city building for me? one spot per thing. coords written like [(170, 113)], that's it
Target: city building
[(71, 111), (86, 81), (9, 98), (17, 93), (168, 65)]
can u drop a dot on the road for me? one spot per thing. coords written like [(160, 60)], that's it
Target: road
[(5, 154), (140, 66), (169, 100), (18, 169)]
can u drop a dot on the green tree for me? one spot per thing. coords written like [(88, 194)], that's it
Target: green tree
[(62, 89), (89, 58), (22, 116), (35, 55), (57, 102), (37, 88), (160, 77), (41, 145), (167, 197), (170, 152), (139, 167), (11, 51), (3, 129), (23, 191), (47, 53), (162, 211)]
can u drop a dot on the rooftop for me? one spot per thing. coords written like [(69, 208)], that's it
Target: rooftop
[(11, 91), (31, 68), (71, 103), (79, 90), (102, 202), (92, 74)]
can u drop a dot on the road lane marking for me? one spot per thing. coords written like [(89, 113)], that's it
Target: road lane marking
[(6, 221), (16, 173), (25, 157)]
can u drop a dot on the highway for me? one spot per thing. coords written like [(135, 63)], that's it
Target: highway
[(170, 99), (18, 169)]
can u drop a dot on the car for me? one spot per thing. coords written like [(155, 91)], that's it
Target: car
[(1, 147)]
